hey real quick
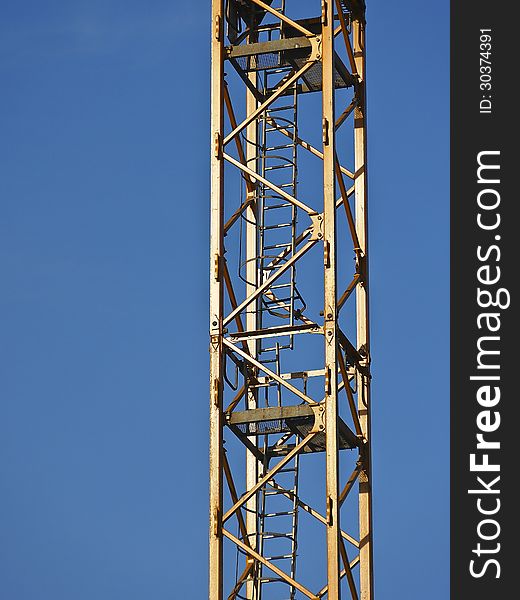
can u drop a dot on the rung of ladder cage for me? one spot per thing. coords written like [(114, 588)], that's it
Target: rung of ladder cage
[(278, 127), (274, 535), (279, 167), (274, 206), (279, 514), (275, 246), (282, 147)]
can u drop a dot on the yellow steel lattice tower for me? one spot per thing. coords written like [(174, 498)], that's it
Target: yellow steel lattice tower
[(289, 332)]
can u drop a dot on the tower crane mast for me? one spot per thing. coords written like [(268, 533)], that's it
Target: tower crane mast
[(290, 472)]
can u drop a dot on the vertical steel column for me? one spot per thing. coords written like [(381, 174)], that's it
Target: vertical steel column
[(363, 340), (329, 305), (216, 303), (252, 316)]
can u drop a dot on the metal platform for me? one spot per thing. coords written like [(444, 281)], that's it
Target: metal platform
[(298, 420), (292, 49)]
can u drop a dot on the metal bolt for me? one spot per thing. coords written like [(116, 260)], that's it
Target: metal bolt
[(215, 323)]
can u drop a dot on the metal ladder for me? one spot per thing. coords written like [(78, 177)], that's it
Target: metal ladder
[(281, 304), (278, 530), (277, 216), (278, 513)]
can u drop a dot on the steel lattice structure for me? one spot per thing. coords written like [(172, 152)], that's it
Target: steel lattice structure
[(289, 332)]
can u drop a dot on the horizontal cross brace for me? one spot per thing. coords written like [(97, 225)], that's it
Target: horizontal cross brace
[(297, 375), (267, 47), (271, 413), (274, 332)]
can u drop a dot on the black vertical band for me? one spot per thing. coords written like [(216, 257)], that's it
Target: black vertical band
[(485, 264)]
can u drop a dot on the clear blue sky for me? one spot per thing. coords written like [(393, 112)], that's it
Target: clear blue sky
[(104, 145)]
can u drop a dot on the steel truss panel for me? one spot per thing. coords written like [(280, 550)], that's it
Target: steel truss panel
[(288, 269)]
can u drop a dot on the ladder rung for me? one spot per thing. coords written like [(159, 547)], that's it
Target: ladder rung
[(283, 147), (278, 167), (272, 207), (284, 126), (278, 226), (277, 301), (279, 514), (272, 350), (273, 535), (274, 246), (279, 286)]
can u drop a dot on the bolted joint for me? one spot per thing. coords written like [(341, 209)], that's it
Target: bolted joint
[(319, 418), (365, 358), (216, 392), (326, 254), (218, 28), (361, 264), (317, 226), (216, 267), (215, 521), (328, 387), (324, 12), (316, 52), (330, 506), (325, 131), (217, 145), (214, 343)]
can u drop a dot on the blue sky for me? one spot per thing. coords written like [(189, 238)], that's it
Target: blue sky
[(103, 262)]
